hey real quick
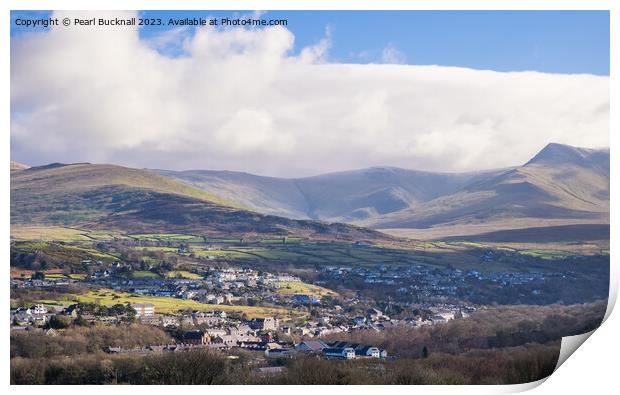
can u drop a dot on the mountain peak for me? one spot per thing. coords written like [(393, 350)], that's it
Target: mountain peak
[(561, 153), (18, 166)]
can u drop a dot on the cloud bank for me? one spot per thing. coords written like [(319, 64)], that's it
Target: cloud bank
[(241, 100)]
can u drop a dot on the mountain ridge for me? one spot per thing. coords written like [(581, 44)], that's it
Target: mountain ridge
[(142, 201), (560, 181)]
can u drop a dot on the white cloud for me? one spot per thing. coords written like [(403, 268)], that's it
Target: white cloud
[(239, 100), (391, 54)]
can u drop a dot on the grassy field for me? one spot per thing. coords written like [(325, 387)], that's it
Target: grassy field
[(298, 287), (17, 272), (58, 233), (162, 249), (183, 274), (298, 252), (144, 274), (55, 276), (170, 305), (168, 237)]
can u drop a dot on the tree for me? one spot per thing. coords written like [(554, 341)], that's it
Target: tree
[(58, 322), (424, 352), (81, 321), (38, 276)]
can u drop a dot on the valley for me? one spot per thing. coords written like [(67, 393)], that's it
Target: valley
[(257, 264)]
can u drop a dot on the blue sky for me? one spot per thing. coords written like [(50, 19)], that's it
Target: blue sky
[(547, 41)]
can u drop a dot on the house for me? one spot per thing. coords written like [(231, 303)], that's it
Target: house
[(361, 350), (265, 324), (71, 311), (227, 340), (148, 319), (144, 309), (102, 274), (167, 320), (242, 329), (302, 298), (285, 329), (311, 346), (359, 320), (38, 309), (279, 352), (340, 353), (368, 351), (51, 332), (208, 319), (196, 337), (438, 319), (213, 332), (374, 314)]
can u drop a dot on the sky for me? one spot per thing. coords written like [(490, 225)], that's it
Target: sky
[(333, 90)]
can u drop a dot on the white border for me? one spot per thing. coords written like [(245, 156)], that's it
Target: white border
[(594, 367)]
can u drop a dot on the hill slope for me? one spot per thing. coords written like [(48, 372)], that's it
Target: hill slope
[(15, 166), (560, 182), (132, 200), (344, 196)]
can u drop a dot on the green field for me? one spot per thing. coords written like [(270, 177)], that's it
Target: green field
[(59, 233), (546, 254), (183, 274), (167, 305), (298, 287), (144, 274)]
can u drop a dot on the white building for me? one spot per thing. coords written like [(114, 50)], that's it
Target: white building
[(144, 309)]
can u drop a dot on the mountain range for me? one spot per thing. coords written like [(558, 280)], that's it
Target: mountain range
[(142, 201), (560, 185)]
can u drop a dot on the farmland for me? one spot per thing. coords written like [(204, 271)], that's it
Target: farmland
[(296, 287), (73, 246), (166, 305)]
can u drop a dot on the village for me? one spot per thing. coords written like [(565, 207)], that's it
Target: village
[(218, 331), (316, 315)]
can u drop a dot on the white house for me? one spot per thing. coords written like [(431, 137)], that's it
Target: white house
[(341, 353), (144, 309), (38, 309)]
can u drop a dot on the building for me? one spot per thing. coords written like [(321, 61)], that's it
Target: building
[(196, 338), (311, 346), (361, 350), (340, 353), (374, 314), (167, 320), (38, 309), (368, 351), (279, 352), (208, 319), (227, 340), (302, 298), (144, 309), (264, 324), (148, 319), (71, 311)]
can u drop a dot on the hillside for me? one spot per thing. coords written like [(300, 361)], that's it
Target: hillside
[(142, 201), (15, 166), (343, 196), (559, 183)]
